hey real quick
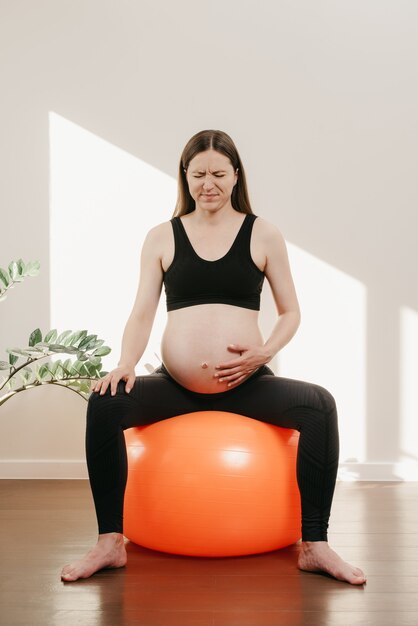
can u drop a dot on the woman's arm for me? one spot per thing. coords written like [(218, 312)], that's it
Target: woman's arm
[(139, 324), (138, 327), (277, 271), (279, 276)]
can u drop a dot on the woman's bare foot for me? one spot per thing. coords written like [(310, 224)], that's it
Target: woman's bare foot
[(317, 556), (108, 552)]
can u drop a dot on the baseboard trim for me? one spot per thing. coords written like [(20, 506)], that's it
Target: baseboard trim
[(43, 469), (402, 470), (76, 469)]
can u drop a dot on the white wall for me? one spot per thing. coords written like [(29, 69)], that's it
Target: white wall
[(321, 100)]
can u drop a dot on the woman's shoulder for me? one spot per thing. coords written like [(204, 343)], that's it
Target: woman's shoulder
[(159, 230), (266, 229), (159, 236)]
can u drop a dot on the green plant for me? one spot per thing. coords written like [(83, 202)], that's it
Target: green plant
[(75, 375), (17, 272)]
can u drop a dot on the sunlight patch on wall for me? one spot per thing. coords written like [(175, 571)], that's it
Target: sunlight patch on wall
[(329, 348), (408, 376), (103, 201)]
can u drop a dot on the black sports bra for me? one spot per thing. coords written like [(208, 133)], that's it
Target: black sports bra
[(233, 279)]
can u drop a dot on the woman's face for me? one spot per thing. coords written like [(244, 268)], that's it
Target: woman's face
[(211, 179)]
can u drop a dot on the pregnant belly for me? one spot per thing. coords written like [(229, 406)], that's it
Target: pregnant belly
[(196, 339)]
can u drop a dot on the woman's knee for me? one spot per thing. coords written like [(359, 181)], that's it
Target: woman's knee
[(100, 406), (96, 397), (327, 399), (325, 421)]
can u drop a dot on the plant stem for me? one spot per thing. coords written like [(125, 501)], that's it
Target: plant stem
[(13, 282), (29, 362), (17, 369), (7, 396)]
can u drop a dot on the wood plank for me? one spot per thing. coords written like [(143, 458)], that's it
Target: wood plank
[(48, 523)]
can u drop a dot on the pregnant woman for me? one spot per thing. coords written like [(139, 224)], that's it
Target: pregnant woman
[(212, 258)]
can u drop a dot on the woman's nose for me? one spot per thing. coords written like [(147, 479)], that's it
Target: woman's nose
[(207, 182)]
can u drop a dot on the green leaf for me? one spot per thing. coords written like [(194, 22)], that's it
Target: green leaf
[(80, 336), (12, 382), (4, 277), (53, 366), (51, 336), (26, 374), (56, 347), (12, 358), (66, 366), (32, 268), (69, 350), (74, 384), (35, 337), (18, 352), (68, 340), (44, 369), (50, 366), (86, 341), (62, 336), (37, 375), (91, 370), (96, 344), (20, 267), (95, 360), (35, 350), (84, 386), (77, 366), (71, 340), (71, 369), (4, 365), (102, 351), (81, 385), (13, 270)]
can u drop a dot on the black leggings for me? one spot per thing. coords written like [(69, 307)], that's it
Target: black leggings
[(285, 402)]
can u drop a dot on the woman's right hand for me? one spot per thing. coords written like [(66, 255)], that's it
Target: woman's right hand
[(122, 372)]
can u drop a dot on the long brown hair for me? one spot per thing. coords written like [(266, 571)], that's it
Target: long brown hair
[(221, 142)]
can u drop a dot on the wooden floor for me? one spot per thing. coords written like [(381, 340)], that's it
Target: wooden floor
[(47, 523)]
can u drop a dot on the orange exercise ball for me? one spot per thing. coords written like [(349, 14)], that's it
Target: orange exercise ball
[(212, 483)]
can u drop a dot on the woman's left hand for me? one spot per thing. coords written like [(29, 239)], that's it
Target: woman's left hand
[(235, 371)]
